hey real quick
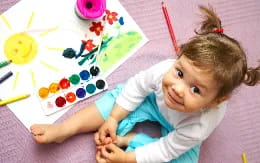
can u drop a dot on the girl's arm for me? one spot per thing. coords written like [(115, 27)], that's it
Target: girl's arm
[(110, 125), (118, 113)]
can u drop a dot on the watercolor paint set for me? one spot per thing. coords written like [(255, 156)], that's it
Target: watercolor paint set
[(68, 91)]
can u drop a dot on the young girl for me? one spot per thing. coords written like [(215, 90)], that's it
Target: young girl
[(187, 96)]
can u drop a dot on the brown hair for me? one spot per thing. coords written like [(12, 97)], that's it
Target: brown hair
[(220, 54)]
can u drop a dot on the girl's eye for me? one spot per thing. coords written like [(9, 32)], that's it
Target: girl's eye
[(179, 73), (195, 90)]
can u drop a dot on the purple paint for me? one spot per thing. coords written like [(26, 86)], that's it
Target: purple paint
[(80, 93)]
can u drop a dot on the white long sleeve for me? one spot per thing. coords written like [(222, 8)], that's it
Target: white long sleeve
[(141, 85), (190, 128)]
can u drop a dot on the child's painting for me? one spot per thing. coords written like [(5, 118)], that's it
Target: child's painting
[(47, 42)]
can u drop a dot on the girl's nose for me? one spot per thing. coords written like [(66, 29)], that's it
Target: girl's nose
[(179, 89)]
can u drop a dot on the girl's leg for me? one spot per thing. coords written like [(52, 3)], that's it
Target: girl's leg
[(85, 120)]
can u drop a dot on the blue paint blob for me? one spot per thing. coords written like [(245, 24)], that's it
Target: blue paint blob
[(80, 93), (121, 21), (84, 75), (91, 88), (69, 53)]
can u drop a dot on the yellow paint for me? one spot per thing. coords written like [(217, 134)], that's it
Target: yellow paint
[(54, 87), (244, 159), (57, 49), (16, 80), (6, 21), (30, 21), (21, 48), (33, 79), (49, 66), (48, 31)]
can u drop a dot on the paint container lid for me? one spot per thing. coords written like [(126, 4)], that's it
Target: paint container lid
[(90, 9)]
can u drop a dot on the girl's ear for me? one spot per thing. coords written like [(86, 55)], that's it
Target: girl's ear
[(219, 100)]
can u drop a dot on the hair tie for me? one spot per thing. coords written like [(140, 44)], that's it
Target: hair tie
[(218, 30)]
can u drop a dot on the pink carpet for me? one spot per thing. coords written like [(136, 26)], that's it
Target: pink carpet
[(239, 131)]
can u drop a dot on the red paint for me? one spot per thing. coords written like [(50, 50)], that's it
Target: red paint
[(70, 97), (64, 83), (60, 101)]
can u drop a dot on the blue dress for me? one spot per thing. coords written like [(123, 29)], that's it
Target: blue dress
[(147, 110)]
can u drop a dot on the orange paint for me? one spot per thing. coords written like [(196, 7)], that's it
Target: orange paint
[(70, 97), (43, 92)]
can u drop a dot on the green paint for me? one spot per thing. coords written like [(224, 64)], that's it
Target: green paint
[(118, 48), (105, 37), (74, 79), (94, 60), (105, 58)]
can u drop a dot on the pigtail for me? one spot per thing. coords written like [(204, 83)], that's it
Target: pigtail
[(211, 22), (252, 76)]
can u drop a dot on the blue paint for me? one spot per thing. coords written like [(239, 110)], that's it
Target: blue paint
[(69, 53), (84, 75), (91, 88), (121, 21), (80, 93)]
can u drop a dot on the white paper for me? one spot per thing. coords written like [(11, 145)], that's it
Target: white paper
[(67, 31)]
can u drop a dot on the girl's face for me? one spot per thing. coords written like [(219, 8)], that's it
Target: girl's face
[(187, 88)]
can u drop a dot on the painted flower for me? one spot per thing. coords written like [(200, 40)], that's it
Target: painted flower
[(96, 27), (89, 45), (111, 17)]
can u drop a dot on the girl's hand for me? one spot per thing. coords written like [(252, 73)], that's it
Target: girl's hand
[(111, 153), (99, 145), (99, 159), (107, 129)]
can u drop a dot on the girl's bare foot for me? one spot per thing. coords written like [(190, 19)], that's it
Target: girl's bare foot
[(123, 141), (45, 133)]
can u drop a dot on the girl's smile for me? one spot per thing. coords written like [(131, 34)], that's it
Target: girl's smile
[(172, 97)]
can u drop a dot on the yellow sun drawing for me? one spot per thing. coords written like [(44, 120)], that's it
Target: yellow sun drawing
[(22, 48)]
